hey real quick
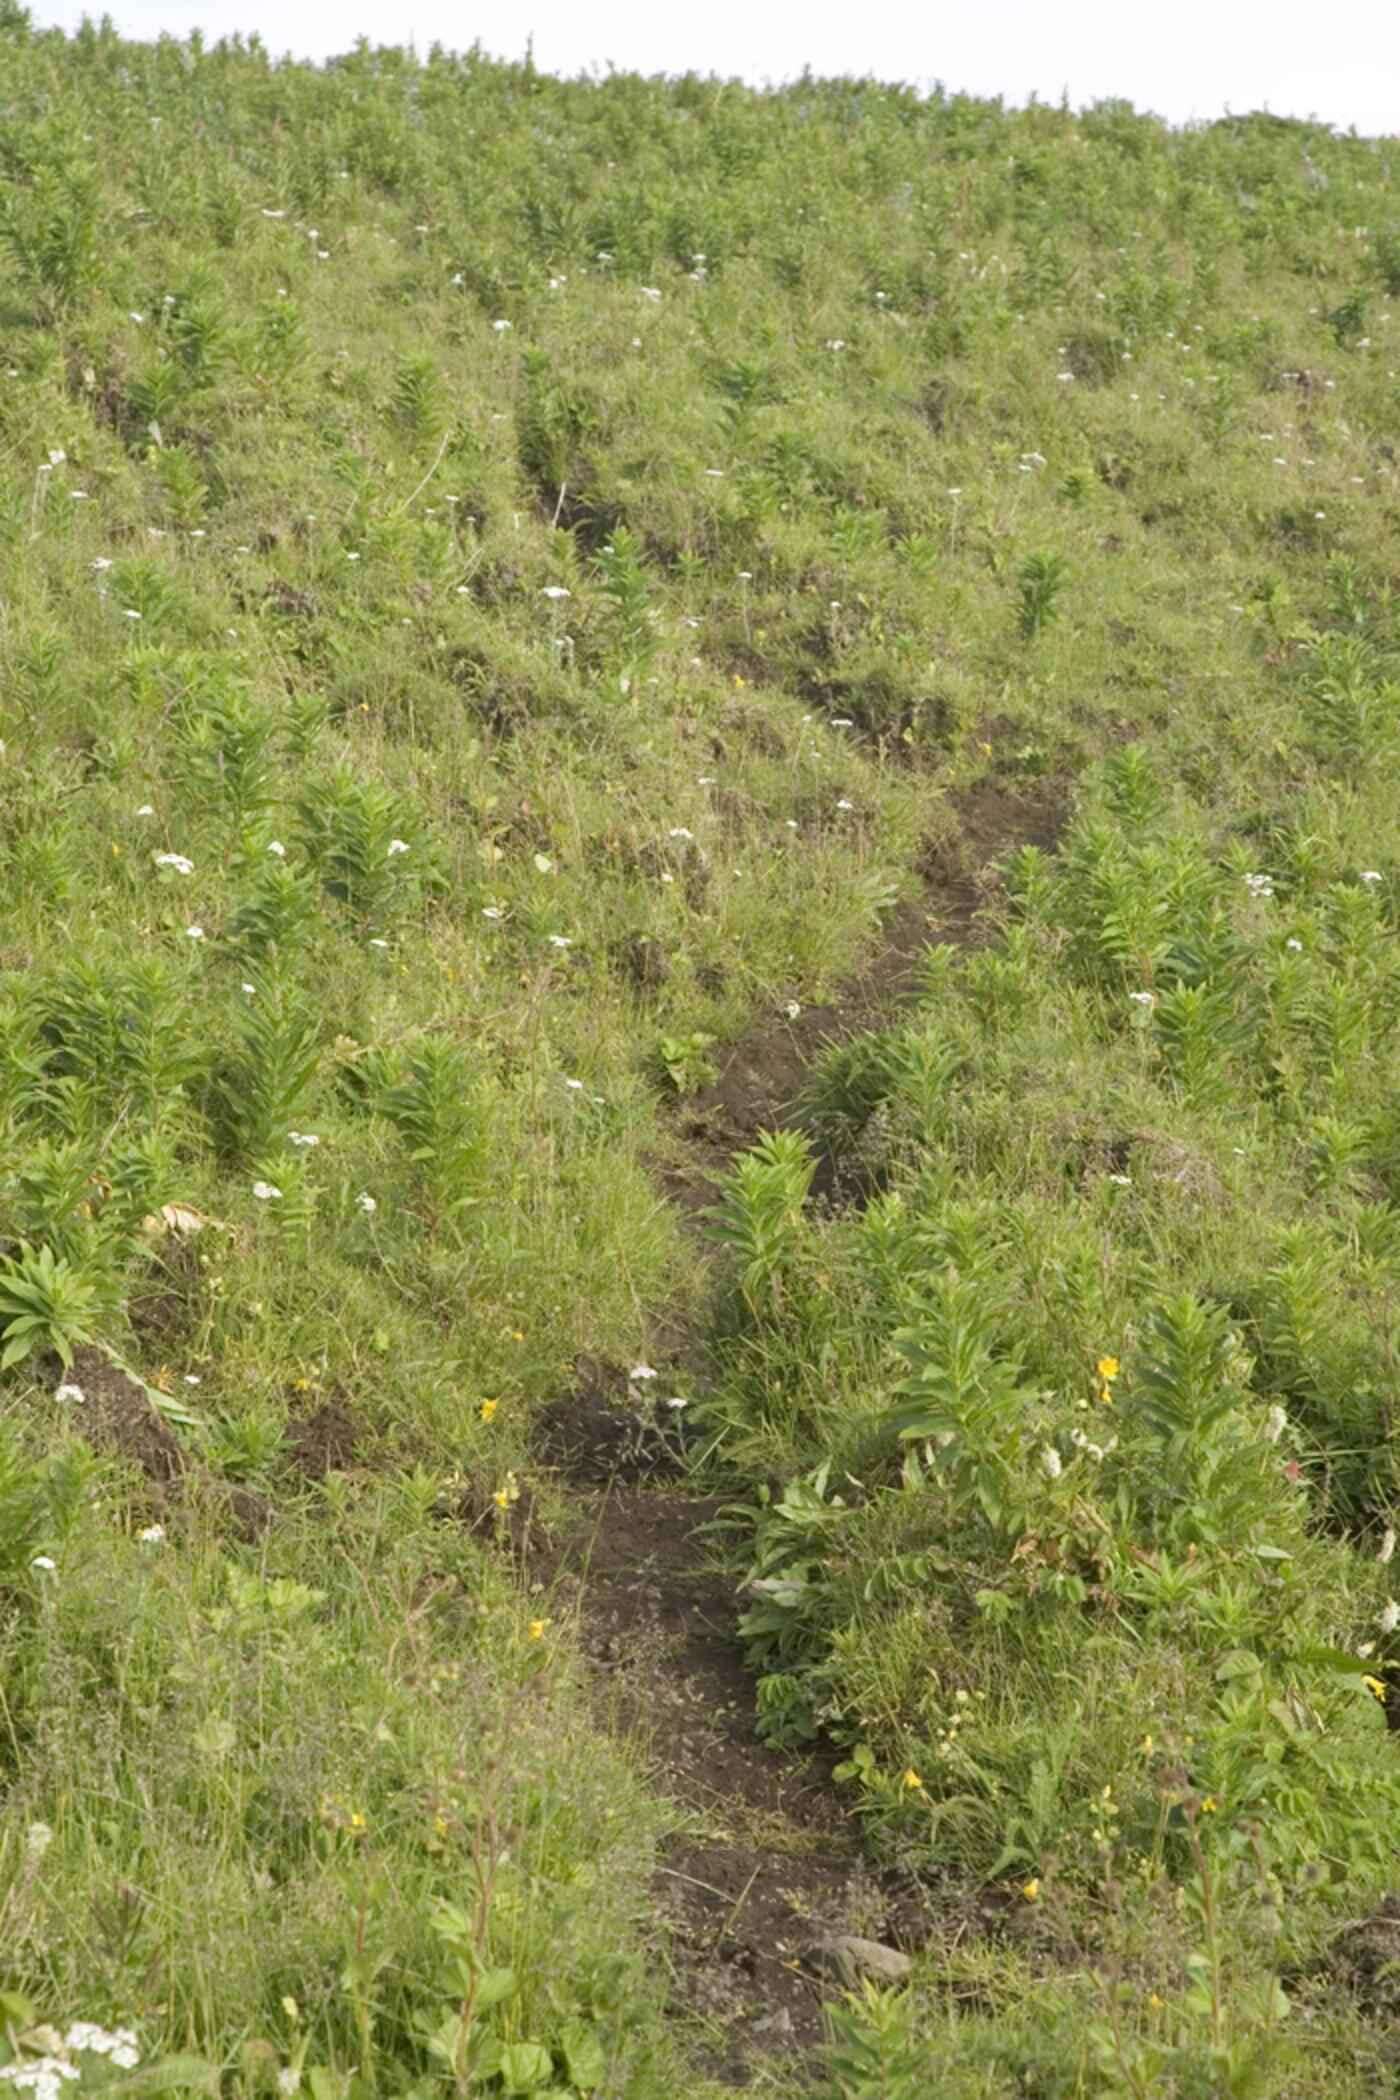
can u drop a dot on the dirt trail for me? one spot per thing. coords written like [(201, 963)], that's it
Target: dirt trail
[(770, 1861)]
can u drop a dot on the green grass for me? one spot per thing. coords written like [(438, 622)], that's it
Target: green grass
[(502, 580)]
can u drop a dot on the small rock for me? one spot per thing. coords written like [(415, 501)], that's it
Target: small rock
[(848, 1958)]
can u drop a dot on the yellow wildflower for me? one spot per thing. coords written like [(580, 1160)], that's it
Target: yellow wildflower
[(913, 1781), (1373, 1684), (501, 1498), (1209, 1805), (1108, 1368), (1145, 1746), (537, 1627), (1155, 2002), (1031, 1889), (488, 1409), (357, 1826)]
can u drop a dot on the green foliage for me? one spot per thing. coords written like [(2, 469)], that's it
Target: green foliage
[(51, 227), (317, 380), (258, 1088), (45, 1305), (684, 1061), (437, 1107), (1039, 582)]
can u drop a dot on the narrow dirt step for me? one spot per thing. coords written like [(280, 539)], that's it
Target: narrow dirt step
[(763, 1073), (771, 1862)]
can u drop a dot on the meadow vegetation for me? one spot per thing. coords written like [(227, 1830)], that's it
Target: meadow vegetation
[(508, 585)]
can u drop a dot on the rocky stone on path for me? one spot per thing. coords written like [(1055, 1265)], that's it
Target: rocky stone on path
[(848, 1959)]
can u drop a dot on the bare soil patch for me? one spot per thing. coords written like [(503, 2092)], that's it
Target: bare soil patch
[(769, 1861)]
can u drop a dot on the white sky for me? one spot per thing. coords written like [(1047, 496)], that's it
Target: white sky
[(1338, 60)]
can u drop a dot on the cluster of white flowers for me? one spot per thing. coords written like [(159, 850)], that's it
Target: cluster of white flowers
[(45, 2076), (1144, 999), (1275, 1423), (1098, 1452), (267, 1192), (177, 861), (1051, 1462), (1259, 885), (365, 1202)]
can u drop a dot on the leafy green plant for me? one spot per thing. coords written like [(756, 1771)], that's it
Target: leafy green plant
[(1040, 581), (759, 1218), (437, 1106), (45, 1305), (258, 1089), (685, 1062)]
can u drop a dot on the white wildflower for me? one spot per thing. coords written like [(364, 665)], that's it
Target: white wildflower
[(1294, 945), (1276, 1423), (1370, 875), (42, 2076), (147, 809), (71, 1395), (304, 1138), (678, 831), (194, 933), (649, 291), (267, 1192), (396, 847), (575, 1086), (555, 591), (1259, 885), (1051, 1462), (250, 989), (1390, 1617), (844, 804), (792, 1010), (45, 1562), (377, 940), (277, 849), (501, 327), (1144, 999), (1387, 1545), (289, 2080), (37, 1840), (153, 1535), (559, 940), (177, 861), (120, 2046), (641, 1374), (365, 1202), (492, 911)]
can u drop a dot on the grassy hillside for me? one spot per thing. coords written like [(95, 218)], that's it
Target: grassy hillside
[(513, 591)]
